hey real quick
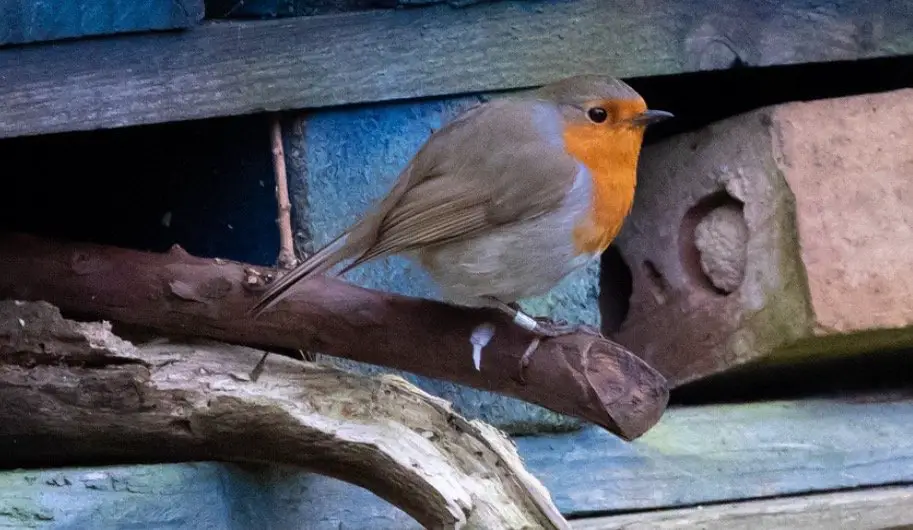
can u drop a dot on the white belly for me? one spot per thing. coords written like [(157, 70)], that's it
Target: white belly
[(515, 261)]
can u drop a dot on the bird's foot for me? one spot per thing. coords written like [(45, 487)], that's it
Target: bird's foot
[(551, 329)]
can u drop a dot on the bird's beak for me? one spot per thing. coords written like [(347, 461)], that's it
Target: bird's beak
[(649, 117)]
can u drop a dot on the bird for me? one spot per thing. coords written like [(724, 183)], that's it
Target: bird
[(505, 200)]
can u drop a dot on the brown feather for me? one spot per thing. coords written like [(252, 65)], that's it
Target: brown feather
[(497, 163)]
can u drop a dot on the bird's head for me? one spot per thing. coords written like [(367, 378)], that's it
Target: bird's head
[(604, 120), (600, 102)]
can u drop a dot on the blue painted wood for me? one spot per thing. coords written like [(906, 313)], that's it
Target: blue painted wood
[(352, 159), (694, 455), (172, 497), (729, 452), (23, 21)]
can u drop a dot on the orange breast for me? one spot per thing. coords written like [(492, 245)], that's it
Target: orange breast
[(611, 156)]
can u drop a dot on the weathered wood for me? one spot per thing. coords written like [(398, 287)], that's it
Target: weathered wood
[(73, 393), (729, 453), (231, 68), (864, 509), (580, 374), (780, 235), (696, 455), (26, 21)]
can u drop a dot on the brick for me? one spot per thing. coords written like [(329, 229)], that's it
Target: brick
[(25, 21), (348, 159), (782, 234)]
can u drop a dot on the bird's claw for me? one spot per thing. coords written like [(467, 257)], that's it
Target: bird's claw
[(550, 329)]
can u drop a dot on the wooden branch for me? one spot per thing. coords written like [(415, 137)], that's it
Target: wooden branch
[(580, 375), (287, 258), (232, 68), (74, 394)]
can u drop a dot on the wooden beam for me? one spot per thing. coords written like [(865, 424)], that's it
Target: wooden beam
[(864, 509), (231, 68)]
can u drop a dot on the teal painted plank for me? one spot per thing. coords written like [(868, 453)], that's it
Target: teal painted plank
[(730, 452), (695, 455), (231, 68), (24, 21), (170, 497)]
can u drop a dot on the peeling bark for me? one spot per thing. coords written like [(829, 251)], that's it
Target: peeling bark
[(73, 393)]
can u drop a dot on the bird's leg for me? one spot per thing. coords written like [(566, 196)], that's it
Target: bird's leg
[(539, 328)]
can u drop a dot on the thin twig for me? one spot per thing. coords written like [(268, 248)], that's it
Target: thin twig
[(287, 259)]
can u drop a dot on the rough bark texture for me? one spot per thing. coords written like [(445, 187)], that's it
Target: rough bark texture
[(781, 234), (581, 374), (73, 393)]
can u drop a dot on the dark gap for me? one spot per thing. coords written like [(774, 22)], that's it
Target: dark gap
[(882, 373), (615, 288), (268, 9), (700, 98), (205, 185)]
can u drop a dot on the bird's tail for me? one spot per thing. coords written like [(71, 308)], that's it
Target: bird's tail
[(327, 257)]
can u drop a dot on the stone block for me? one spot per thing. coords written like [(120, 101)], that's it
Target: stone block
[(24, 21), (343, 164), (779, 235)]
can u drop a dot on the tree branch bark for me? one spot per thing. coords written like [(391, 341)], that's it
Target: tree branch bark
[(581, 375), (73, 393)]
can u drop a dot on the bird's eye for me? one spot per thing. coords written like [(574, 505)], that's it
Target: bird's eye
[(597, 114)]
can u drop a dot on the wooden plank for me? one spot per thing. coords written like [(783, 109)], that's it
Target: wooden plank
[(24, 21), (230, 68), (723, 453), (861, 510)]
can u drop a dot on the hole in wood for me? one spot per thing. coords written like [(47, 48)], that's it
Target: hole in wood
[(713, 238), (615, 288)]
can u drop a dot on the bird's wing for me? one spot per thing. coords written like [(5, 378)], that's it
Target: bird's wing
[(494, 165)]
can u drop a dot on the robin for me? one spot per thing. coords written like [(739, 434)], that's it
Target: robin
[(507, 199)]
